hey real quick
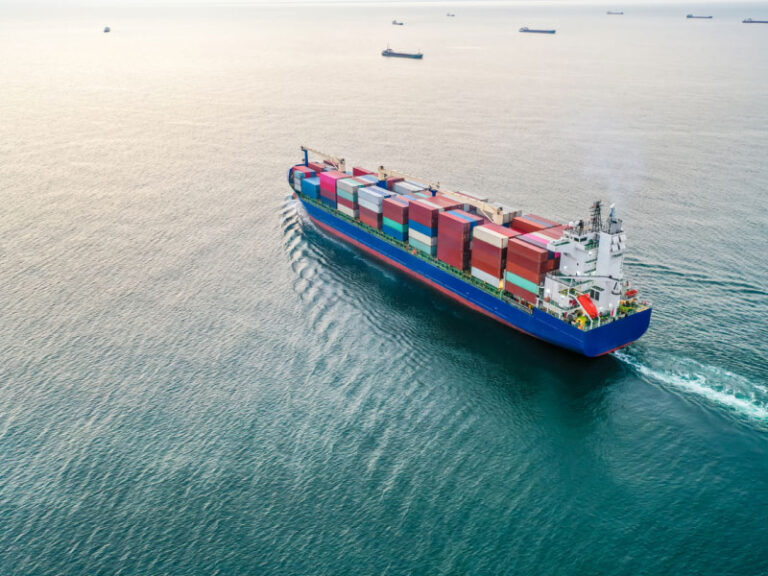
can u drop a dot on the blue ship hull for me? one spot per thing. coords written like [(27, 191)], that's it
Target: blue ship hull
[(537, 323)]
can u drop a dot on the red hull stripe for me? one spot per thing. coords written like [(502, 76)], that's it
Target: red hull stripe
[(413, 274)]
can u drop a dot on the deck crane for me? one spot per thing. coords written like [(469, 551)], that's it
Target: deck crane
[(338, 162), (495, 212)]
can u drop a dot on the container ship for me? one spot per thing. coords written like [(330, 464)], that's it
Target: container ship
[(561, 283), (389, 53), (527, 30)]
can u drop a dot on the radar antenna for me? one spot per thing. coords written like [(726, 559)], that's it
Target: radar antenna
[(597, 216)]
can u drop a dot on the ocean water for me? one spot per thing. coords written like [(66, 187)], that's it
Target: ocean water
[(194, 380)]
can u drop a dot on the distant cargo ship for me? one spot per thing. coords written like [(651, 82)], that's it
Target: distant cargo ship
[(107, 29), (698, 17), (535, 31), (396, 23), (750, 21), (392, 54), (563, 284), (610, 13)]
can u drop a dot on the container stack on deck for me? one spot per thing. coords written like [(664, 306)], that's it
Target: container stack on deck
[(526, 268), (311, 187), (528, 259), (328, 183), (454, 237), (514, 256), (371, 199), (422, 226), (346, 196), (299, 174), (395, 217), (489, 253)]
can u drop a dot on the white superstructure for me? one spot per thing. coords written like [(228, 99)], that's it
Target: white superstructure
[(591, 263)]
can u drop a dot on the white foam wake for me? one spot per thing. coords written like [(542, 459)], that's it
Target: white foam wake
[(716, 385)]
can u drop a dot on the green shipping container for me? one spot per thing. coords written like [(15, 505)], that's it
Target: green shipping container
[(421, 247), (396, 225), (522, 282), (352, 197)]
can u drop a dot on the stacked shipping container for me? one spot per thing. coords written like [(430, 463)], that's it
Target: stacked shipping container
[(299, 173), (370, 199), (395, 217), (516, 258), (346, 196), (328, 182), (311, 187), (454, 237), (422, 226), (526, 268), (489, 253)]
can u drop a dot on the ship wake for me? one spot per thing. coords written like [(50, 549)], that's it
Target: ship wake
[(714, 386)]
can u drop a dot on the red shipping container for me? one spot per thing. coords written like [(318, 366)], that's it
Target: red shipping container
[(488, 251), (308, 172), (455, 259), (508, 232), (451, 223), (520, 292), (395, 209), (357, 171), (532, 223), (328, 180), (348, 203), (528, 264), (370, 217), (453, 242), (316, 166), (423, 213), (522, 249), (487, 258), (495, 270), (531, 275)]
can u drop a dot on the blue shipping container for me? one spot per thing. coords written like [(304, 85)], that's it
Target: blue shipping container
[(427, 231), (311, 187), (402, 236)]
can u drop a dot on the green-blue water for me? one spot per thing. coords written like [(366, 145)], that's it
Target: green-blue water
[(194, 380)]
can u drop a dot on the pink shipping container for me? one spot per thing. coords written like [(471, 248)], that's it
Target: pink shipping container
[(328, 180)]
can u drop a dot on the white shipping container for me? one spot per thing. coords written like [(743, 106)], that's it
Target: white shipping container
[(423, 238), (406, 188), (369, 205), (297, 184), (348, 211), (373, 195), (490, 236), (349, 185), (487, 278)]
